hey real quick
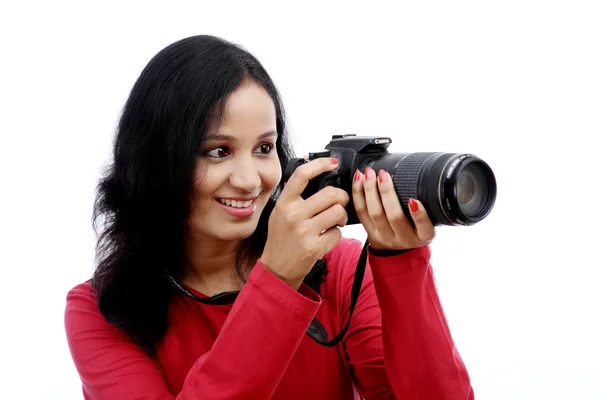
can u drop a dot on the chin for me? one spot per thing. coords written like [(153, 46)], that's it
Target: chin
[(237, 231)]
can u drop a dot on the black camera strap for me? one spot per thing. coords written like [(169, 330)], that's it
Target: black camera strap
[(315, 330)]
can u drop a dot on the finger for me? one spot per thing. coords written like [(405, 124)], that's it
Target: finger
[(424, 228), (303, 174), (360, 203), (333, 216), (328, 239), (374, 206), (324, 199), (391, 204)]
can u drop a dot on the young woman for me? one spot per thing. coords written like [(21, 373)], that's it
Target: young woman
[(206, 285)]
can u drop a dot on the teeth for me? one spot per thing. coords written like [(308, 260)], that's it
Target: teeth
[(236, 203)]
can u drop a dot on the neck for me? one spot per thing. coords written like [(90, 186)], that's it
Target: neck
[(210, 266)]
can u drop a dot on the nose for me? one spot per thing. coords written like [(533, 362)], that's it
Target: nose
[(245, 175)]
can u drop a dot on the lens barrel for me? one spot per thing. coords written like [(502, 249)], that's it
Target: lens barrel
[(455, 189)]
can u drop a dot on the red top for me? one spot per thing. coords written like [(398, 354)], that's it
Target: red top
[(398, 344)]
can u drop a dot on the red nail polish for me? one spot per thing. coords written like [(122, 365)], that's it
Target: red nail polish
[(334, 161), (356, 176), (414, 206), (382, 175), (369, 173)]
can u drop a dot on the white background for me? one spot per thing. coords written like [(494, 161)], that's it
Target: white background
[(515, 82)]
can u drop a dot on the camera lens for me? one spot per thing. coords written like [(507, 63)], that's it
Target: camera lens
[(455, 189), (471, 190)]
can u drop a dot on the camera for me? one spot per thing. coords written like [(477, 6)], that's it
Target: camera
[(454, 188)]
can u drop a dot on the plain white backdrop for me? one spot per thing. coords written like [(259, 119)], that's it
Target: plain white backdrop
[(515, 82)]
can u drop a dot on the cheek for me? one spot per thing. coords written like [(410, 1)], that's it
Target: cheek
[(206, 181), (271, 174)]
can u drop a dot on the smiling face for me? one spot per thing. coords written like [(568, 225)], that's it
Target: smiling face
[(238, 168)]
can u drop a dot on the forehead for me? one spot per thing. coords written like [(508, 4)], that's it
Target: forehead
[(248, 110)]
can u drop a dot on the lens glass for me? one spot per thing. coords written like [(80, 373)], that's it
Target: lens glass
[(472, 190)]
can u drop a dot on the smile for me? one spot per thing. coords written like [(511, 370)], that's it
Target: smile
[(237, 203), (239, 208)]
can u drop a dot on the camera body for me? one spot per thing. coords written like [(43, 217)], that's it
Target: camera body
[(353, 152)]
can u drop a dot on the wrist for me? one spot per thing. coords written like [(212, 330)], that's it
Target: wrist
[(291, 281)]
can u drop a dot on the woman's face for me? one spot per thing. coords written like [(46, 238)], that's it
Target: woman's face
[(238, 168)]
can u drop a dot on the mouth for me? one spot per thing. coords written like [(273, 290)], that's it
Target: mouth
[(238, 208), (237, 203)]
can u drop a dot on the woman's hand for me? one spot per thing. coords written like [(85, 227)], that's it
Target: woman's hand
[(378, 208), (302, 231)]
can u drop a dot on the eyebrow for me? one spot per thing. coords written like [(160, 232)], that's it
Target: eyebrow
[(233, 138)]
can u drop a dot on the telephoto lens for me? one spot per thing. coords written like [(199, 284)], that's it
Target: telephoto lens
[(455, 189)]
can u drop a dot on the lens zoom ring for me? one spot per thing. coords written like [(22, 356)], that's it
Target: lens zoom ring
[(406, 175)]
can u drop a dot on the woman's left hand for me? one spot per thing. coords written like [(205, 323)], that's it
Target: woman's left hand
[(378, 208)]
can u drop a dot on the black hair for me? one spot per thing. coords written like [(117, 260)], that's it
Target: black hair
[(144, 199)]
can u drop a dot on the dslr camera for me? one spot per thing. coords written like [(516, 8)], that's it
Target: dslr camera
[(454, 188)]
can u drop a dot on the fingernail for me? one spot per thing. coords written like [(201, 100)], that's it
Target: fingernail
[(356, 176), (369, 173), (382, 176), (334, 161), (414, 206)]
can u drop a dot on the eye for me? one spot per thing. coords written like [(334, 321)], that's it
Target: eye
[(265, 148), (218, 152)]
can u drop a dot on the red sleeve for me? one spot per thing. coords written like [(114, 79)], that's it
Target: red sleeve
[(265, 326), (399, 344)]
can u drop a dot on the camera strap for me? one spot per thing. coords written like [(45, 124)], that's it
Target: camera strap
[(315, 330)]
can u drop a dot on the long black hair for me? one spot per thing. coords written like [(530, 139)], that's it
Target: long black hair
[(144, 199)]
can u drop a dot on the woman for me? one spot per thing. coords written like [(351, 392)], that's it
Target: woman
[(190, 221)]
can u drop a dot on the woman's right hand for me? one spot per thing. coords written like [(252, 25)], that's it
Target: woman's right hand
[(302, 231)]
